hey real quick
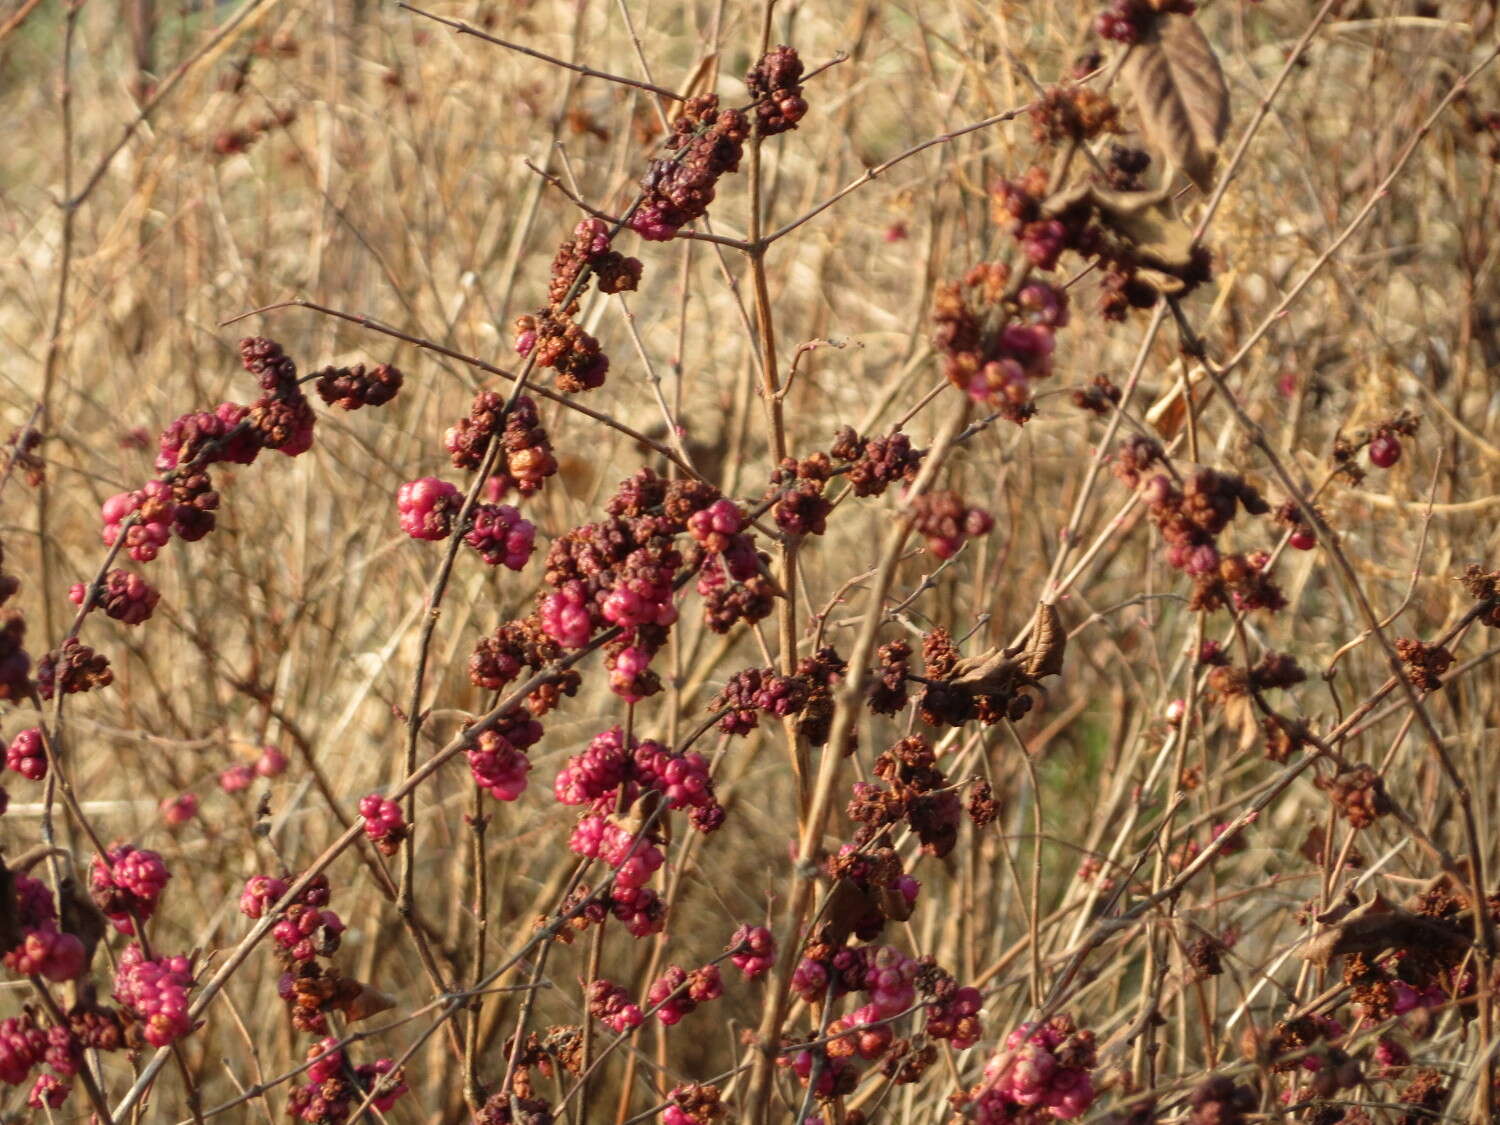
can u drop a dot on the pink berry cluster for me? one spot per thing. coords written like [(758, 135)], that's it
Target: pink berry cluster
[(270, 763), (384, 823), (156, 993), (177, 811), (126, 884), (753, 950), (633, 857), (428, 507), (42, 949), (26, 755), (500, 536), (676, 992), (497, 758), (126, 597), (306, 929), (622, 572), (335, 1086), (609, 775), (24, 1045), (611, 1005), (1041, 1069)]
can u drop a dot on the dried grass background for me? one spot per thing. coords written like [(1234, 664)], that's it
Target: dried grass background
[(402, 192)]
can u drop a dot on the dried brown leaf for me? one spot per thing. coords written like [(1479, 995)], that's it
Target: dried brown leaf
[(1049, 643), (1180, 92), (1374, 927)]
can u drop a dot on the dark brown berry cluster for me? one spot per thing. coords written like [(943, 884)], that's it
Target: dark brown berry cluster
[(1425, 663), (563, 345), (527, 459), (753, 690), (20, 452), (707, 143), (776, 85), (888, 687), (1481, 585), (1359, 793), (281, 419), (589, 249), (15, 661), (353, 387), (915, 791), (875, 463), (1101, 396), (73, 667)]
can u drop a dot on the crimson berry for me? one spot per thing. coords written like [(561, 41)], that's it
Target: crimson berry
[(1304, 539), (1385, 451)]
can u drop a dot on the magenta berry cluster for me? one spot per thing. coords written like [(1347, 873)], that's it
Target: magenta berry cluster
[(43, 949), (497, 758), (610, 774), (611, 1005), (126, 884), (384, 823), (753, 950), (155, 991), (26, 755), (1040, 1068), (676, 992)]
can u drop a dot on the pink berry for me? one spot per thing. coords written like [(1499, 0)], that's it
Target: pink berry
[(178, 810), (236, 778), (271, 763), (1304, 539)]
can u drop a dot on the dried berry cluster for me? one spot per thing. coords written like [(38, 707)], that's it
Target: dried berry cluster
[(335, 1085), (997, 338), (875, 463), (353, 387), (946, 522), (1191, 515), (706, 143), (916, 791)]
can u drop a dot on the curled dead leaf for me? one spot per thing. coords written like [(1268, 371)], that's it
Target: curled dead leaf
[(1048, 645), (1180, 92), (1374, 927)]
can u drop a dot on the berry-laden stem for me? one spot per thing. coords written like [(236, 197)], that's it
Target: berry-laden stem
[(757, 1103)]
